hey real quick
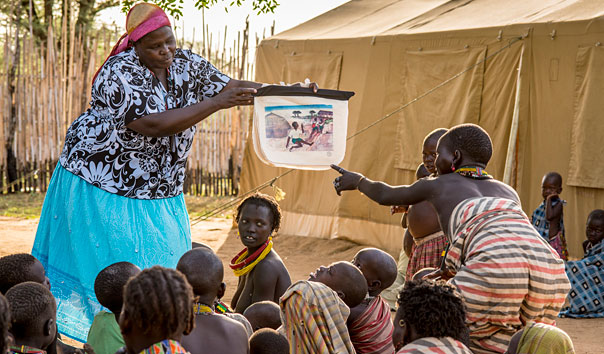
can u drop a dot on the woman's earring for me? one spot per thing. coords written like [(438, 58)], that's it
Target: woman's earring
[(453, 167), (401, 323), (238, 235)]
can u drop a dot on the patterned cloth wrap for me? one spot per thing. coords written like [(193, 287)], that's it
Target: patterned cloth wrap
[(539, 338), (539, 221), (586, 298), (507, 274), (314, 319), (432, 345), (427, 252), (167, 346), (371, 332)]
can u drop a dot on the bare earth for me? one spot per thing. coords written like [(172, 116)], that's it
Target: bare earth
[(301, 256)]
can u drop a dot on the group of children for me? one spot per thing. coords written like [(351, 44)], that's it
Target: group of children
[(499, 286)]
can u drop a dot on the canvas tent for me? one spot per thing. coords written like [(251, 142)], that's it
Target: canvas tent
[(541, 98)]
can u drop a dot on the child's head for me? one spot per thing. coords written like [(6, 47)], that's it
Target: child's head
[(463, 144), (109, 285), (295, 125), (551, 184), (158, 305), (263, 314), (204, 271), (421, 171), (594, 230), (258, 217), (378, 268), (345, 279), (268, 341), (4, 324), (33, 312), (429, 308), (19, 268), (429, 148)]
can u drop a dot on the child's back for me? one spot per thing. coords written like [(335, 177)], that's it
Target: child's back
[(213, 333), (105, 336)]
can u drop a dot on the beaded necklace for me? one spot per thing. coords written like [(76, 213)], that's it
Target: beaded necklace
[(474, 172), (220, 307), (241, 264), (25, 349), (202, 309)]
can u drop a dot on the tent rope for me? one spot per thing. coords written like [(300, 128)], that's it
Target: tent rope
[(271, 182)]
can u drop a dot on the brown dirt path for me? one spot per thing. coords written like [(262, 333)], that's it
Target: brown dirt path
[(301, 256)]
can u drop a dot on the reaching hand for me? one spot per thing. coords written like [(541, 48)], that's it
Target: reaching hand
[(439, 274), (236, 96), (347, 181)]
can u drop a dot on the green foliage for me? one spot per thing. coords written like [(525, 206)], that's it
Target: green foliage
[(174, 7)]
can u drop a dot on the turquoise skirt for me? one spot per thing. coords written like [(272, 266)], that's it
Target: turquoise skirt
[(83, 229)]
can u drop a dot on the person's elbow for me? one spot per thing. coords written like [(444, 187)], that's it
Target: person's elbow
[(150, 126)]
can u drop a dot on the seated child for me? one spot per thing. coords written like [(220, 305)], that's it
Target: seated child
[(314, 318), (213, 333), (19, 268), (5, 340), (263, 314), (370, 323), (430, 319), (157, 311), (541, 338), (295, 137), (345, 279), (33, 313), (104, 336), (262, 274), (268, 341), (586, 297), (494, 247), (548, 217)]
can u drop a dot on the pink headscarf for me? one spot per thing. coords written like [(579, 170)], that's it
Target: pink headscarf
[(142, 19)]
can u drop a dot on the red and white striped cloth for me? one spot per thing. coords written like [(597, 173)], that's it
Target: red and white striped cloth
[(507, 274), (371, 332)]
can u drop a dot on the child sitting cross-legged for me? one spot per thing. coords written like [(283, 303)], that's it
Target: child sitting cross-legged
[(104, 336), (586, 297), (33, 314), (213, 333), (370, 324), (263, 314), (157, 311)]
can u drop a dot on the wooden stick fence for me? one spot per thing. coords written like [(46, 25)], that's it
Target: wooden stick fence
[(52, 87)]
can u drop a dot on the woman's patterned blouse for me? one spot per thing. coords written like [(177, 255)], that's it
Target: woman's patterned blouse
[(101, 150)]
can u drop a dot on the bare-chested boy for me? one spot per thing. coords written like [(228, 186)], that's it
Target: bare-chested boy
[(370, 323), (213, 333), (496, 256), (262, 274)]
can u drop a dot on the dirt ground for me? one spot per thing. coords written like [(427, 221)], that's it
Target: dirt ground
[(301, 256)]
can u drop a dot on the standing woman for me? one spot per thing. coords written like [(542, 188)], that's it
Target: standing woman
[(116, 194)]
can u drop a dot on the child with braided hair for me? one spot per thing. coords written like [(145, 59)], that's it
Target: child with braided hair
[(157, 311), (262, 274)]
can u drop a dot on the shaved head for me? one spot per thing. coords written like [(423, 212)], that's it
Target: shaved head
[(378, 268), (203, 270)]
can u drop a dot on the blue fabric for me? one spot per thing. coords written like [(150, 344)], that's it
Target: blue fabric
[(541, 224), (586, 297), (83, 229)]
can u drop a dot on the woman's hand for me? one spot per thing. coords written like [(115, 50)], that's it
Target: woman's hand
[(234, 96), (347, 181), (440, 274)]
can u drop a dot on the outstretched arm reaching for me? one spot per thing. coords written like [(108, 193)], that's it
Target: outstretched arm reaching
[(381, 192)]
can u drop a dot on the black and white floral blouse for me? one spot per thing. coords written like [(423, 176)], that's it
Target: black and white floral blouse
[(101, 150)]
